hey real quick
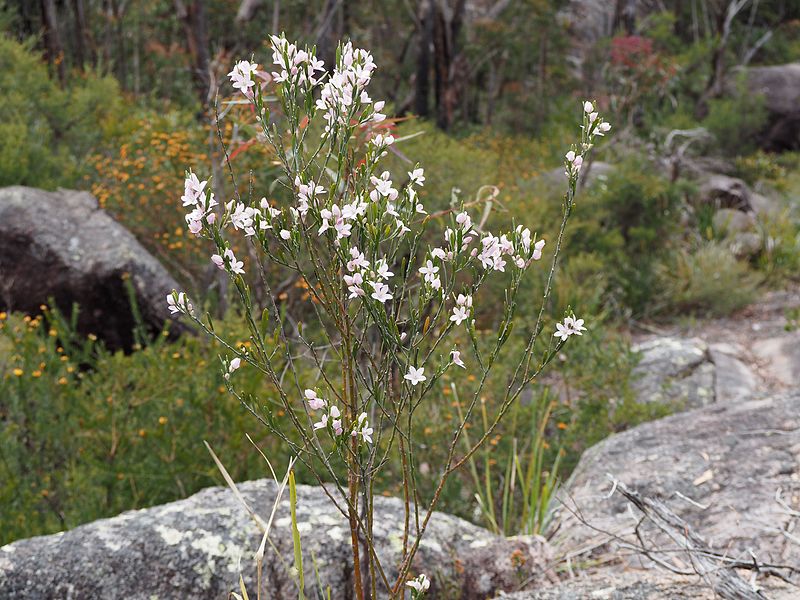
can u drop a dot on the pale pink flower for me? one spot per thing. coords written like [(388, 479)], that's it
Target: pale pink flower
[(455, 356), (314, 401)]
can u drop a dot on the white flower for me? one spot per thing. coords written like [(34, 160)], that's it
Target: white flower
[(306, 193), (343, 229), (354, 283), (180, 304), (569, 327), (366, 433), (381, 293), (602, 128), (415, 376), (362, 427), (461, 309), (493, 248), (232, 366), (235, 265), (322, 423), (193, 188), (420, 584), (574, 163), (337, 421), (588, 107), (242, 217), (358, 261), (195, 196), (537, 250), (455, 356), (242, 76), (383, 269), (459, 315), (417, 177), (285, 234), (576, 325), (383, 188), (562, 331), (464, 220), (314, 401), (381, 140), (430, 271)]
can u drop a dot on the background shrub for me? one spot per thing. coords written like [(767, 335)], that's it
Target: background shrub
[(85, 433), (46, 131), (709, 281)]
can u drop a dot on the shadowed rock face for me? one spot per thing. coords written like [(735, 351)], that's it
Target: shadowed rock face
[(731, 459), (780, 86), (196, 548), (60, 245)]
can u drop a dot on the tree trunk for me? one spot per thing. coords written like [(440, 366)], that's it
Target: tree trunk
[(724, 21), (326, 45), (83, 44), (108, 36), (447, 26), (247, 10), (121, 61), (423, 81), (625, 16), (195, 25), (276, 16), (52, 41)]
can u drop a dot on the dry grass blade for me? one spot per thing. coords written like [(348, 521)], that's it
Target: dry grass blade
[(264, 527), (263, 546), (229, 480)]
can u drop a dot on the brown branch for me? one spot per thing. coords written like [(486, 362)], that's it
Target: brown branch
[(717, 569)]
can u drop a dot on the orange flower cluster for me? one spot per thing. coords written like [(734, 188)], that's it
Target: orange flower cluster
[(140, 182)]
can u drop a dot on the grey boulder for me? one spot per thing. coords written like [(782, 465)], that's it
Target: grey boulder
[(687, 373), (729, 470), (618, 584), (729, 221), (722, 191), (61, 245), (196, 548), (780, 354), (780, 87)]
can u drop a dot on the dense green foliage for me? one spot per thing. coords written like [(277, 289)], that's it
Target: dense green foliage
[(87, 433), (46, 131)]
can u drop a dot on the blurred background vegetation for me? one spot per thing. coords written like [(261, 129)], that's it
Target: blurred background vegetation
[(120, 97)]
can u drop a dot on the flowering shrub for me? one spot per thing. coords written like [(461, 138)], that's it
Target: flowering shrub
[(638, 74), (132, 181), (394, 315)]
